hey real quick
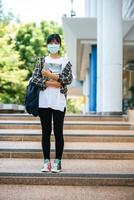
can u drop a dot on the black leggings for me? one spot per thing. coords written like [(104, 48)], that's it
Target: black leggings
[(46, 115)]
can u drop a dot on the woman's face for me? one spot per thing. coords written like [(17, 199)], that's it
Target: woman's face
[(53, 47)]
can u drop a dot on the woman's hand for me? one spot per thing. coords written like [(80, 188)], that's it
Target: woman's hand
[(50, 75), (46, 73), (52, 83)]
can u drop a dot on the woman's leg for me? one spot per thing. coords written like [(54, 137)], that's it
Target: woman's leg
[(45, 115), (58, 119)]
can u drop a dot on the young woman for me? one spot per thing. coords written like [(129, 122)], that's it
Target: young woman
[(52, 79)]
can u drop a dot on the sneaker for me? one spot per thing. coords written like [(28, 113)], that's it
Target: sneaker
[(56, 166), (47, 166)]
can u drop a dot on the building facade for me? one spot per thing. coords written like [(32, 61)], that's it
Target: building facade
[(100, 46)]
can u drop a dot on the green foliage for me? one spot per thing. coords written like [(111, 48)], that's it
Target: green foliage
[(73, 106), (20, 45), (31, 42), (131, 100), (12, 78)]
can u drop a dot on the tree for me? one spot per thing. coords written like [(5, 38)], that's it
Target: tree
[(12, 78), (20, 45), (31, 42)]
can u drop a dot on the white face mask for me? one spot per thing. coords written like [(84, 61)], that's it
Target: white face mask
[(53, 48)]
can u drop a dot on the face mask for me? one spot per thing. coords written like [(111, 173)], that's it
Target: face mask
[(53, 48)]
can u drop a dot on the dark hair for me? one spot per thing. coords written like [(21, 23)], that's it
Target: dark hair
[(53, 37)]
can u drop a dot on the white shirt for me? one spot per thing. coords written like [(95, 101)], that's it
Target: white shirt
[(52, 97)]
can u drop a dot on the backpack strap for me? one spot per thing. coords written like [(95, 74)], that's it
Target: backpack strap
[(42, 61)]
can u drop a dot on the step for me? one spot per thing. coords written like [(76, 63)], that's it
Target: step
[(75, 172), (77, 150), (53, 192), (11, 108), (70, 125), (70, 117), (69, 135)]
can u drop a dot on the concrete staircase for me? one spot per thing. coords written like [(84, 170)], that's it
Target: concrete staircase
[(98, 152)]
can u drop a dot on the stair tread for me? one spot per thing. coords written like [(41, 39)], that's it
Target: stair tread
[(66, 122), (35, 192), (69, 166), (116, 146), (67, 115), (70, 132), (74, 173)]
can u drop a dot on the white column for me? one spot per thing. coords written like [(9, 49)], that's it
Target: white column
[(109, 58), (99, 54), (90, 8)]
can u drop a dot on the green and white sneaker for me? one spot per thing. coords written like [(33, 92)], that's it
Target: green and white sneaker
[(56, 166), (47, 166)]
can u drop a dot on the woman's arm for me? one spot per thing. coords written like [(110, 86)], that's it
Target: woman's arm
[(37, 76), (64, 78), (52, 83)]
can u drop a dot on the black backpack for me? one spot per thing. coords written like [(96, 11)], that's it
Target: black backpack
[(32, 97)]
